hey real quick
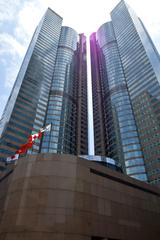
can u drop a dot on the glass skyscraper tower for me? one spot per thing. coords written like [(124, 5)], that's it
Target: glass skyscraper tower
[(51, 87), (126, 94)]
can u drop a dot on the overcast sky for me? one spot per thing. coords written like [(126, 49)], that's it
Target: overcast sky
[(18, 19)]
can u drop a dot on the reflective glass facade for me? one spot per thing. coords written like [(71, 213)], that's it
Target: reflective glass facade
[(45, 92), (81, 88), (105, 161), (129, 79), (61, 104)]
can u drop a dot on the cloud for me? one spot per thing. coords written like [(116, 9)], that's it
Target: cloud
[(10, 45), (8, 9)]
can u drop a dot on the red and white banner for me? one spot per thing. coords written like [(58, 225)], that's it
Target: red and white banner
[(12, 158), (31, 139)]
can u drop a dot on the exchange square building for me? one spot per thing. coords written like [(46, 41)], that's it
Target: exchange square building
[(56, 190)]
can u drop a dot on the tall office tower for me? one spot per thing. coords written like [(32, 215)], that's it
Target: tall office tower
[(67, 106), (126, 88), (46, 91), (80, 75)]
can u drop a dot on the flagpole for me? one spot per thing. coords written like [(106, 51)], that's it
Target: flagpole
[(50, 136)]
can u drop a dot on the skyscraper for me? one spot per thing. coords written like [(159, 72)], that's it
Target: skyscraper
[(51, 87), (126, 87)]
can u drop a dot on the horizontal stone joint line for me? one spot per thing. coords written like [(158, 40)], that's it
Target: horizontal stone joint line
[(122, 181)]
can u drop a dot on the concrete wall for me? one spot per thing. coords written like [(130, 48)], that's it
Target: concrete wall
[(63, 197)]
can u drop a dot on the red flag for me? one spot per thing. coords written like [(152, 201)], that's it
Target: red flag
[(12, 158), (24, 147), (35, 136), (29, 144)]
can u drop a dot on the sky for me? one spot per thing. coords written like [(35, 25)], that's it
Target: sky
[(19, 18)]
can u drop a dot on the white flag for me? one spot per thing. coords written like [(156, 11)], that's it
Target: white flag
[(12, 158), (46, 129)]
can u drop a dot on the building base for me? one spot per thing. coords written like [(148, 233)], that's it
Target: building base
[(64, 197)]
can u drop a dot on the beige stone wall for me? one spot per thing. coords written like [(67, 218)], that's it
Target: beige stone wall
[(57, 197)]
